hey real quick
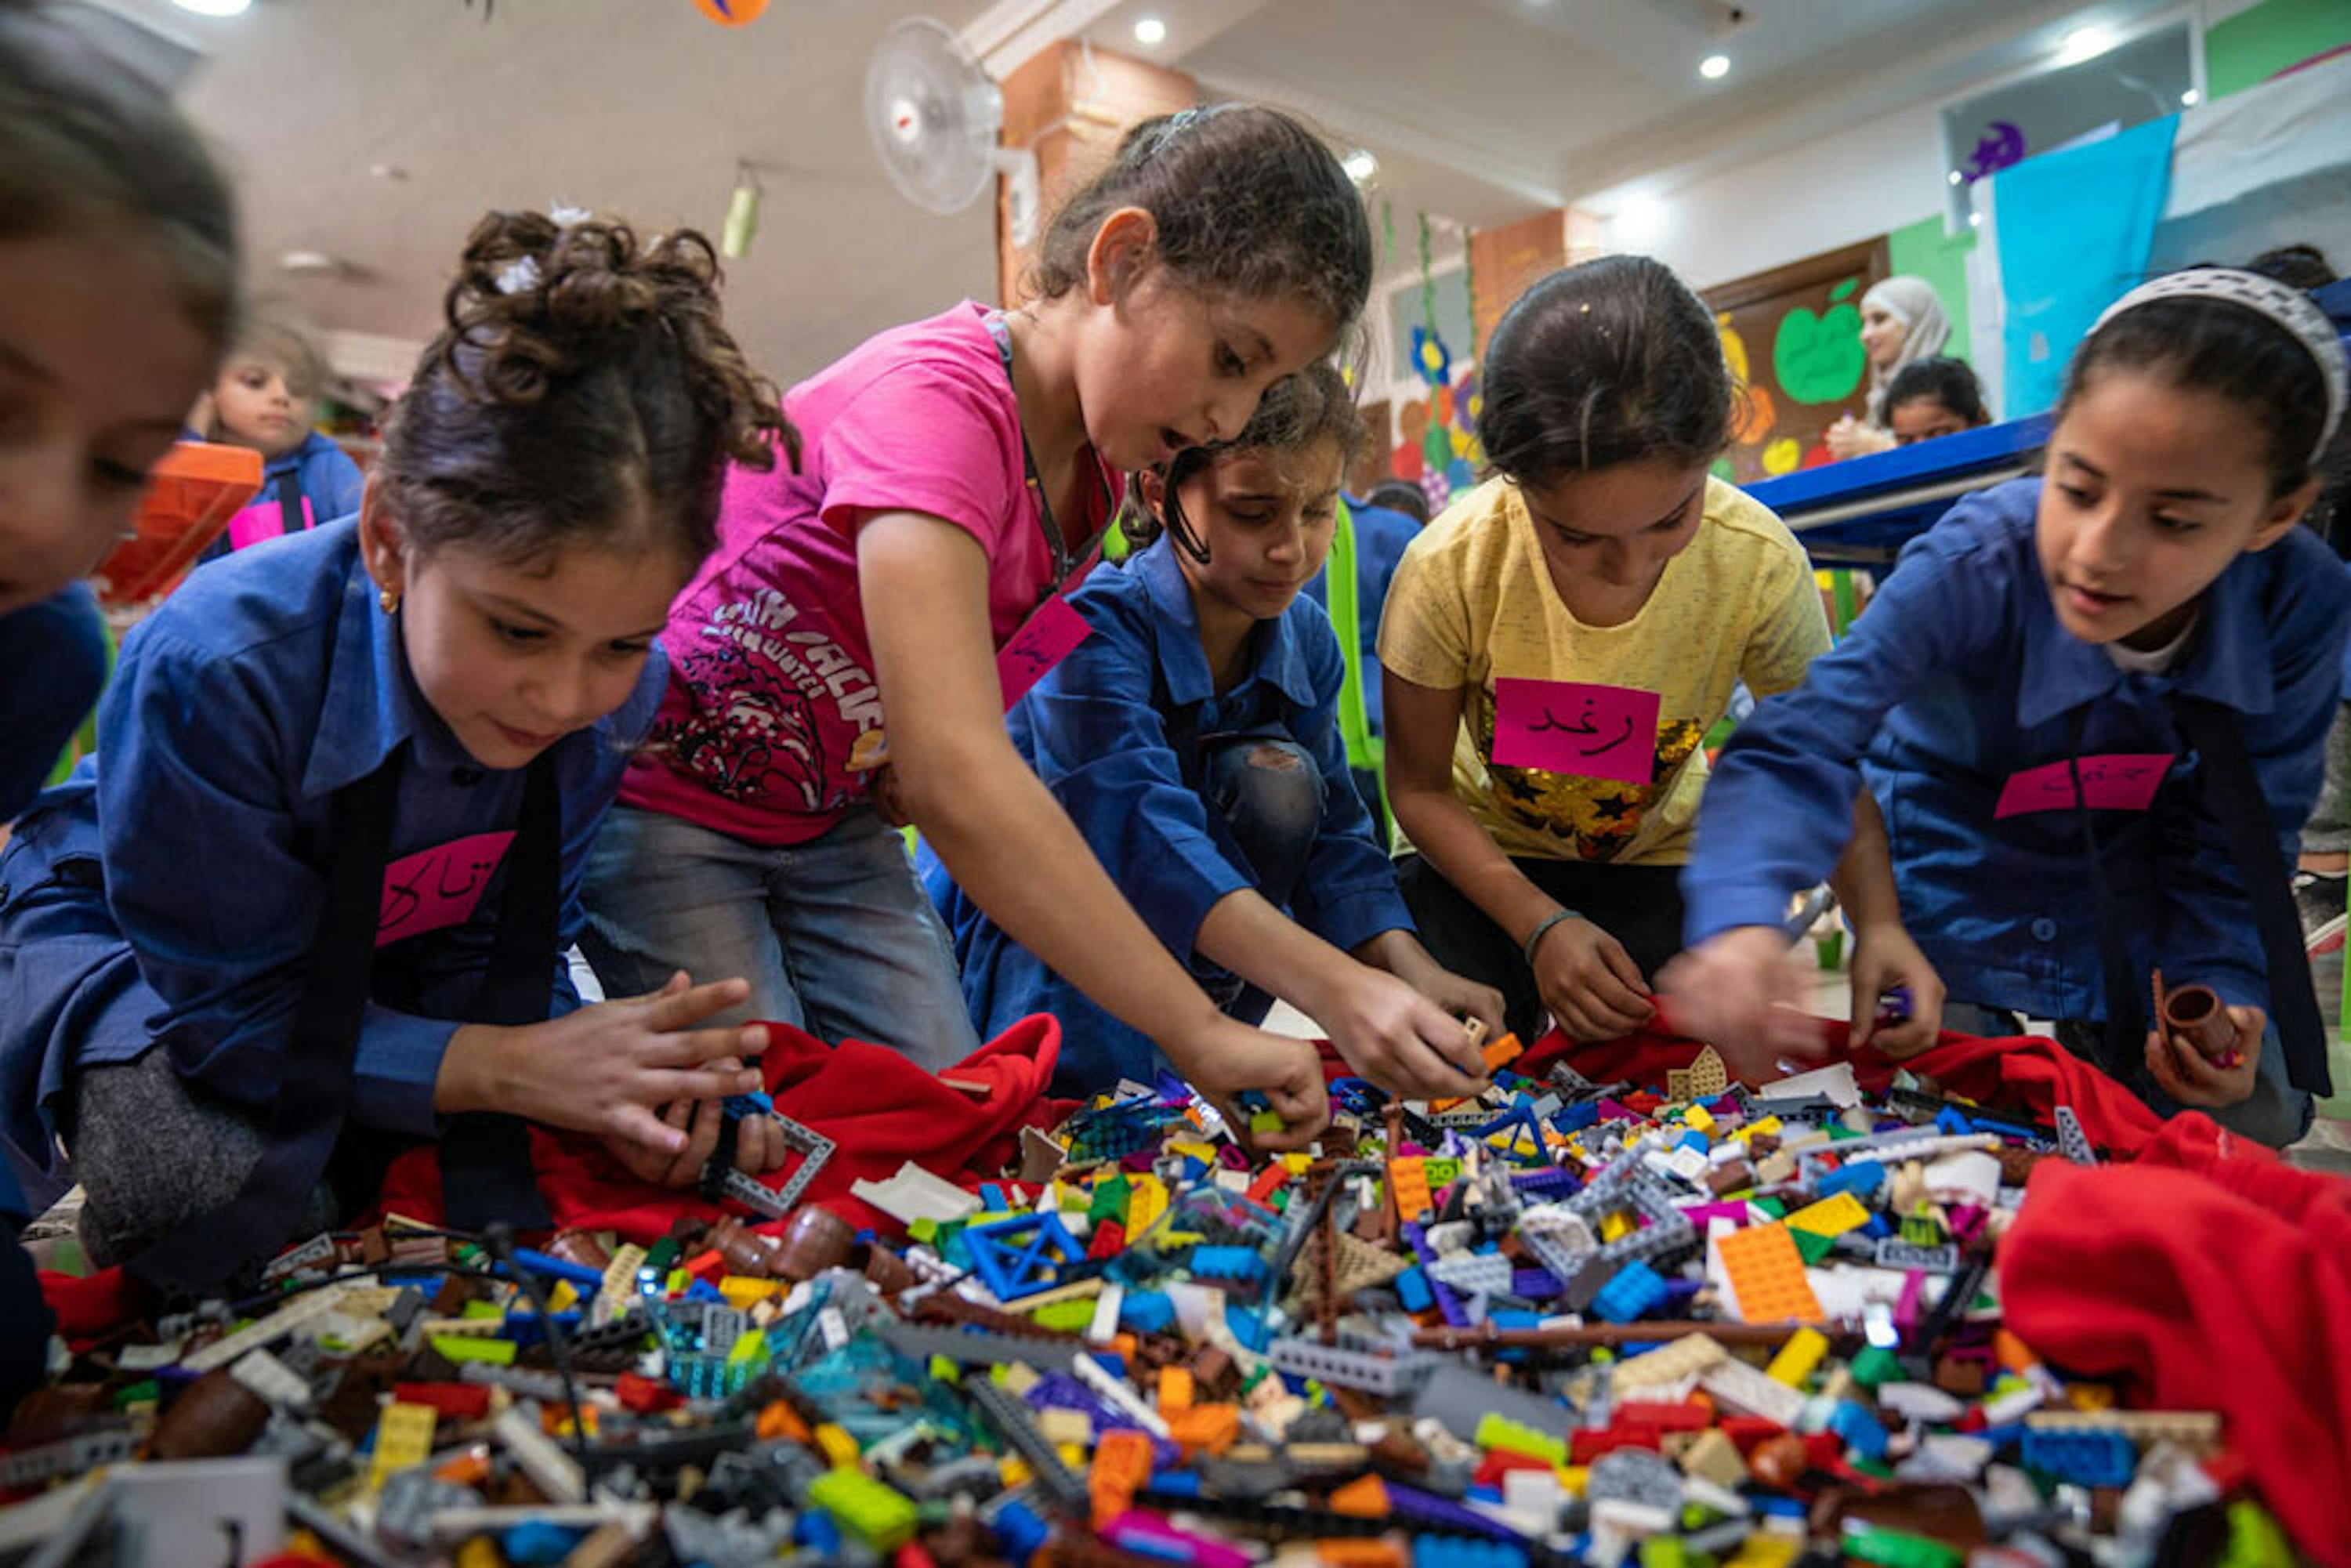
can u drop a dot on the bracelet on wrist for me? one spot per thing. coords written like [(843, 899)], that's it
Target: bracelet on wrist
[(1543, 928)]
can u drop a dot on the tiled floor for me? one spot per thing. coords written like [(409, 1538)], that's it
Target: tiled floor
[(2328, 1149)]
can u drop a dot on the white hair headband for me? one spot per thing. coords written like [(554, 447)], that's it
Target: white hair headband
[(2289, 307)]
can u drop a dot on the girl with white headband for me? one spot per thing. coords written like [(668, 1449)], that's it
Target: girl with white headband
[(2091, 705)]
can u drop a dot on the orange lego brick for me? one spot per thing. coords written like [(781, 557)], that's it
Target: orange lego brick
[(1409, 1180), (1122, 1463), (1766, 1274), (1364, 1498), (1175, 1390), (1501, 1053), (1213, 1427), (191, 496), (779, 1419), (1346, 1553)]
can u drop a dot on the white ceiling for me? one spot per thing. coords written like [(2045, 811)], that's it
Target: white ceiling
[(1480, 110)]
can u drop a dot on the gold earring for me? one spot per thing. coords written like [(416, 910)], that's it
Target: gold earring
[(390, 601)]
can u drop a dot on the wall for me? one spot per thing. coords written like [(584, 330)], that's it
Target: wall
[(1814, 196), (2261, 40)]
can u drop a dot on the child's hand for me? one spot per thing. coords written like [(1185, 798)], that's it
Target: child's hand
[(1222, 1058), (1738, 992), (1399, 1038), (758, 1142), (1591, 985), (2181, 1070), (1457, 994), (605, 1068), (1884, 956)]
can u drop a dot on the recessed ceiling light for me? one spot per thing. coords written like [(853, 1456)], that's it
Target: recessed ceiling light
[(2086, 43), (1975, 220), (1714, 66), (1640, 220), (1361, 164), (1150, 30), (215, 7), (2191, 97), (1957, 178)]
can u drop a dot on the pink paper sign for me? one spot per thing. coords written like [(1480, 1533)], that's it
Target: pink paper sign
[(437, 887), (2112, 781), (1566, 726), (262, 520), (1044, 640)]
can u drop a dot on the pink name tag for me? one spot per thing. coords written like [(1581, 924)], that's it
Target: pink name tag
[(1565, 726), (1044, 640), (2113, 781), (437, 887), (262, 520)]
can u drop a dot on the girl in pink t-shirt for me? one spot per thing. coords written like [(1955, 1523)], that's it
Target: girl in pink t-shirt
[(958, 474)]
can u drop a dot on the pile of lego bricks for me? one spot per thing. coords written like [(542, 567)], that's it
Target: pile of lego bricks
[(1688, 1324)]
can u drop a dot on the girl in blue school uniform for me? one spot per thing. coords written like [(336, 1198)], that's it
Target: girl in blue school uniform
[(1193, 738), (118, 278), (2092, 706), (261, 400), (309, 898)]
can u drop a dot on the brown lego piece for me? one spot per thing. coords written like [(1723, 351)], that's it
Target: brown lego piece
[(215, 1417)]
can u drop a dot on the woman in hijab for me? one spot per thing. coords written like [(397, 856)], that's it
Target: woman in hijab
[(1902, 320)]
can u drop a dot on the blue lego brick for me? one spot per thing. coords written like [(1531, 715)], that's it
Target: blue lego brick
[(1860, 1177), (1020, 1529), (1226, 1263), (735, 1107), (1635, 1290), (1147, 1312), (2091, 1458), (1534, 1284), (1575, 1118), (1023, 1255), (1458, 1552), (1412, 1289), (1859, 1428)]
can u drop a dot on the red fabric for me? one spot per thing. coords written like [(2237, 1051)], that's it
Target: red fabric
[(2027, 1074), (2207, 1275), (88, 1308), (879, 1109)]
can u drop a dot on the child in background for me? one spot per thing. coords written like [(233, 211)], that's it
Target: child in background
[(960, 474), (1934, 397), (1194, 740), (2091, 705), (117, 281), (1558, 643), (312, 893), (1902, 321), (261, 398)]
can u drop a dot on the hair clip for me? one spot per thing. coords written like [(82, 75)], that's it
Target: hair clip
[(518, 275)]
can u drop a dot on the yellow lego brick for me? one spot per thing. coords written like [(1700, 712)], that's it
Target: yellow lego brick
[(1797, 1357), (1768, 1124), (1615, 1226), (1831, 1216), (1298, 1164), (1763, 1549), (563, 1298), (838, 1449), (1699, 1118), (1204, 1153), (1146, 1200), (743, 1292), (477, 1552), (403, 1439)]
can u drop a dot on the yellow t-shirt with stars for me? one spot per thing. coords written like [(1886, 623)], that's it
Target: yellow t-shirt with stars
[(1472, 600)]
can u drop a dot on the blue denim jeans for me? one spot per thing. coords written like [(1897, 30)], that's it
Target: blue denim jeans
[(835, 935), (1268, 794), (2275, 1113)]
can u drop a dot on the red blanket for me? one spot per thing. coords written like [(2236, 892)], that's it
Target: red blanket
[(879, 1109), (2206, 1275)]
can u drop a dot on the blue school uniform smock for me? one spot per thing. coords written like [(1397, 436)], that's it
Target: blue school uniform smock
[(318, 476), (1958, 677), (1097, 729), (52, 664), (170, 891)]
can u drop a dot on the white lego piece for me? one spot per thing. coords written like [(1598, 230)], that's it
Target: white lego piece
[(1835, 1083), (915, 1194), (272, 1380), (555, 1473), (278, 1326), (1745, 1388)]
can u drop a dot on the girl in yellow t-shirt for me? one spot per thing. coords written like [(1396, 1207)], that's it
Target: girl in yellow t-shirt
[(1557, 644)]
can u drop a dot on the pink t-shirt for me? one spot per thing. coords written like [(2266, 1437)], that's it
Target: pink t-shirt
[(771, 682)]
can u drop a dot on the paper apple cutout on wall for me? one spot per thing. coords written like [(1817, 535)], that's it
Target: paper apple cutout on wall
[(1819, 359)]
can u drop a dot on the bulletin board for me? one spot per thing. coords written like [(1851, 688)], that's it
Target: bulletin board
[(1792, 336)]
